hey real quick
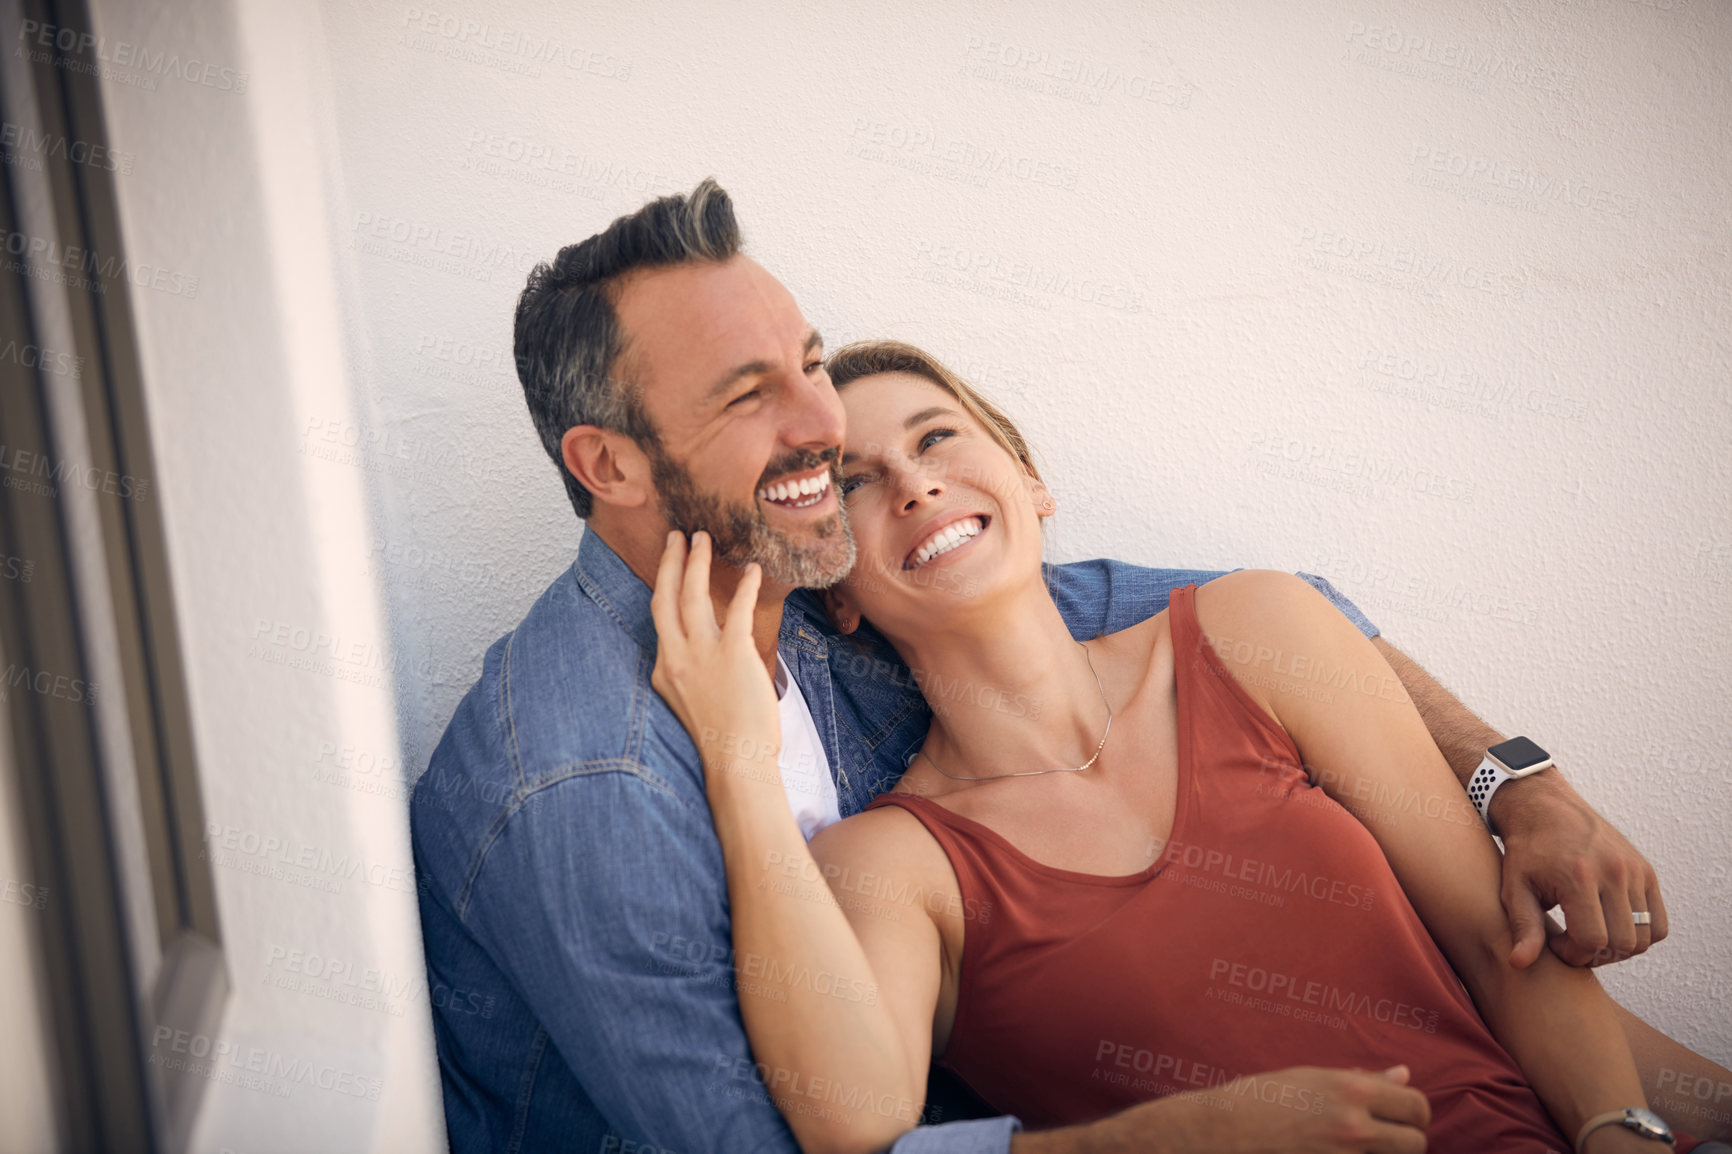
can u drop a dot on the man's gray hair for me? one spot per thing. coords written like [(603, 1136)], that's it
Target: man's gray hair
[(568, 339)]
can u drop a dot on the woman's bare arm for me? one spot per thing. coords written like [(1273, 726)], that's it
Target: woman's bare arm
[(836, 1057), (1367, 740), (1690, 1092), (826, 1016)]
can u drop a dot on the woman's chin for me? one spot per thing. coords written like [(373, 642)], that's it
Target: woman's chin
[(911, 603)]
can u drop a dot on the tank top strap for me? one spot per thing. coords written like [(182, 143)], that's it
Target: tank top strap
[(1182, 621), (965, 848), (991, 874), (928, 814), (1212, 702)]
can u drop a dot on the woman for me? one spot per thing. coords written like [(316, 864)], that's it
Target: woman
[(1180, 862)]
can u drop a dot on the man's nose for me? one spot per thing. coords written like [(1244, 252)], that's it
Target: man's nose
[(815, 417)]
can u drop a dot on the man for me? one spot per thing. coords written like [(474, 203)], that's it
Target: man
[(573, 897)]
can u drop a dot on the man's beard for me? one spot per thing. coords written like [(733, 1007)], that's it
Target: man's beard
[(739, 533)]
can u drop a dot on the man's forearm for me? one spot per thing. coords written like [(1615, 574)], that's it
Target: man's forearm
[(1463, 737), (1456, 729), (1557, 850)]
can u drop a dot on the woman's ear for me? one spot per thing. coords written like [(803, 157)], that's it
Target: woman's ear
[(843, 615), (1045, 505)]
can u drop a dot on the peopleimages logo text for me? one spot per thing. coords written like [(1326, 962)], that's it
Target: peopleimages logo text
[(34, 34), (99, 269)]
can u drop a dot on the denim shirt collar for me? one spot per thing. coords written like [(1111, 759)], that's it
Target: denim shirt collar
[(610, 583)]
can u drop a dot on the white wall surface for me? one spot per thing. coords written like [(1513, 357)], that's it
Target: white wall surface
[(228, 174), (1431, 298)]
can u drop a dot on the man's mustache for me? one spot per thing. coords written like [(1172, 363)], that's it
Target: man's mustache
[(798, 462)]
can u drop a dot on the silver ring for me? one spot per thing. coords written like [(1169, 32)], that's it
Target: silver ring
[(1643, 917)]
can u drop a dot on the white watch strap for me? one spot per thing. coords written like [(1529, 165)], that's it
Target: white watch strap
[(1617, 1118), (1485, 782), (1609, 1118)]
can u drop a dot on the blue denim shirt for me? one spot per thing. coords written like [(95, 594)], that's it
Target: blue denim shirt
[(573, 900)]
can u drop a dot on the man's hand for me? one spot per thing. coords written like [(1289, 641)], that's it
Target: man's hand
[(1302, 1110), (1558, 851)]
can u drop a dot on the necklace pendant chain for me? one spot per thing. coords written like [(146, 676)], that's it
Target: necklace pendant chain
[(1035, 772)]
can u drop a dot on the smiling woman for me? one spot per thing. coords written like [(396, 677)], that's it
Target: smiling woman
[(1228, 813), (870, 457)]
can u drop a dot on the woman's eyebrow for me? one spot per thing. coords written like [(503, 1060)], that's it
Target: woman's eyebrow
[(927, 414)]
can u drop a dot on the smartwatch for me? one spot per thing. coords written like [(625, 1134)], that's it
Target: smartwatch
[(1645, 1123), (1506, 761)]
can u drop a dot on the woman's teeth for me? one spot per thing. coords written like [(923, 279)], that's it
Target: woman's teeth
[(947, 539), (797, 494)]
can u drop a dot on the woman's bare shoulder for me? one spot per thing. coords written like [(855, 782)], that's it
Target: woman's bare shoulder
[(884, 861), (1236, 593), (889, 839), (1268, 605)]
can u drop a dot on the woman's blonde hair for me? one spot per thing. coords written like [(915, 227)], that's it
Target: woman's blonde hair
[(868, 358)]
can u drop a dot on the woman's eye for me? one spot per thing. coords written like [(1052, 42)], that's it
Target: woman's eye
[(926, 441), (849, 484)]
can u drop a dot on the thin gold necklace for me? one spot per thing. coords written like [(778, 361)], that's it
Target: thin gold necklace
[(1032, 772)]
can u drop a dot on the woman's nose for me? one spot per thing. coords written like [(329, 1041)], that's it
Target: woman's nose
[(918, 486)]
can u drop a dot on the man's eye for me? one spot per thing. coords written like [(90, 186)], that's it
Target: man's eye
[(742, 397), (817, 364)]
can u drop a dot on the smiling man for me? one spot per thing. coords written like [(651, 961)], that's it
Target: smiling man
[(572, 891)]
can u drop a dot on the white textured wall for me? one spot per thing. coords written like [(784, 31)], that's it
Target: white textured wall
[(1431, 298), (227, 173)]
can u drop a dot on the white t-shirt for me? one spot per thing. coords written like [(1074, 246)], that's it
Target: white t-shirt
[(805, 769)]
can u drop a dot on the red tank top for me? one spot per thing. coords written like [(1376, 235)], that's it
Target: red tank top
[(1270, 933)]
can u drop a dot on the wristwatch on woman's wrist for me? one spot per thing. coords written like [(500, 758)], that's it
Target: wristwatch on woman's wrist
[(1644, 1122), (1506, 761)]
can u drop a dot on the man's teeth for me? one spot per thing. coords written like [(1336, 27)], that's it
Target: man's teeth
[(947, 539), (797, 494)]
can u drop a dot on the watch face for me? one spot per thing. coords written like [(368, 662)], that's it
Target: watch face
[(1647, 1123), (1518, 753)]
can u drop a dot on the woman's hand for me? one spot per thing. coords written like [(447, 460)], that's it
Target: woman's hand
[(712, 676)]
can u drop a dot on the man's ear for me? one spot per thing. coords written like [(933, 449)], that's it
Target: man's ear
[(607, 463), (843, 614)]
